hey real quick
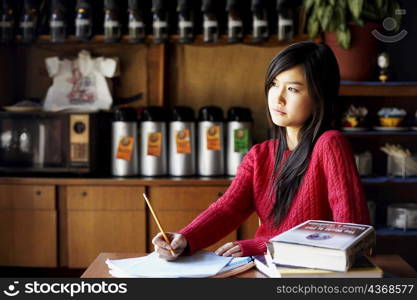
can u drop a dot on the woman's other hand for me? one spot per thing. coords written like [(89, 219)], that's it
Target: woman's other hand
[(229, 249), (162, 248)]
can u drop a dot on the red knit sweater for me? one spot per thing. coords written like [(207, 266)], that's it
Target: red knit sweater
[(331, 190)]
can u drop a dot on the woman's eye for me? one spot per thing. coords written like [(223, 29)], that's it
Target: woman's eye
[(274, 84), (292, 90)]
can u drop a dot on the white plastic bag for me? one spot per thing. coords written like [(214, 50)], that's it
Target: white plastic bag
[(80, 84)]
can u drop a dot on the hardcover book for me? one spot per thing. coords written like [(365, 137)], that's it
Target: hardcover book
[(362, 268), (322, 245)]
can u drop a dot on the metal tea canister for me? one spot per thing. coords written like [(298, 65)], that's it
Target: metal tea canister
[(182, 153)]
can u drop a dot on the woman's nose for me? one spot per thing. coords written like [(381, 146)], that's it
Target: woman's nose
[(281, 97)]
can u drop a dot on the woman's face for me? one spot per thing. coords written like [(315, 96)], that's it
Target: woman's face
[(289, 102)]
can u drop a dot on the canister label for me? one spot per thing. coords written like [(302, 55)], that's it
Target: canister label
[(213, 138), (154, 143), (241, 140), (182, 138), (125, 148)]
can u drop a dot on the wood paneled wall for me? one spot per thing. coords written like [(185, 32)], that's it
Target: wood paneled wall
[(223, 75), (24, 73)]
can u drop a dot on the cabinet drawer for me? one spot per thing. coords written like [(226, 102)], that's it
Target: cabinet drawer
[(185, 198), (28, 238), (90, 233), (40, 197), (104, 198)]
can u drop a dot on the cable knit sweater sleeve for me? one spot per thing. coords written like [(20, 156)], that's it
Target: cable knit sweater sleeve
[(346, 197), (227, 213)]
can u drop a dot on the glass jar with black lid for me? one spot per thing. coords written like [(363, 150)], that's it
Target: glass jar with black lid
[(57, 23), (83, 21), (7, 22), (136, 22)]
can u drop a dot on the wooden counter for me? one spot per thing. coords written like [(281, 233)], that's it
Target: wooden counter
[(392, 265), (134, 181)]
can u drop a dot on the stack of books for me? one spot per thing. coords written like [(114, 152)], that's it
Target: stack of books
[(320, 249)]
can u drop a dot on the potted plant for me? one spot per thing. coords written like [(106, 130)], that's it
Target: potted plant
[(346, 26)]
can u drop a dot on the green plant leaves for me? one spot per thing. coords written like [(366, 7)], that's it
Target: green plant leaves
[(343, 38), (335, 15), (355, 7), (327, 16), (307, 4), (312, 28)]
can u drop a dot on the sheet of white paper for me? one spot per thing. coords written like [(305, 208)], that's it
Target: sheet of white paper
[(201, 264)]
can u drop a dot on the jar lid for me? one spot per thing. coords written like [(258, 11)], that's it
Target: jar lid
[(58, 4), (30, 4), (155, 114), (211, 113), (231, 4), (134, 4), (83, 4), (182, 114), (258, 5), (110, 5), (208, 6), (124, 114), (158, 5), (239, 114), (184, 5)]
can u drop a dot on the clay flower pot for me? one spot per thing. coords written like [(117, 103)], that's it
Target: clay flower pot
[(358, 63)]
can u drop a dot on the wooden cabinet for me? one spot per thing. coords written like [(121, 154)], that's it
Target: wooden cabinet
[(28, 226), (98, 219), (178, 206)]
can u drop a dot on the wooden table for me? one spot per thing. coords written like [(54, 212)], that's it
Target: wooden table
[(391, 264)]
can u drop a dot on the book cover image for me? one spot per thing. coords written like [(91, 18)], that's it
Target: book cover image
[(323, 234)]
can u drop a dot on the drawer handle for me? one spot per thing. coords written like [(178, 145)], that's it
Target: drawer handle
[(38, 193), (84, 194), (219, 194)]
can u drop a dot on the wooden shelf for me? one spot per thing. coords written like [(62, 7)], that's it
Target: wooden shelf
[(135, 181), (169, 181), (388, 180), (380, 133), (378, 89), (247, 40), (396, 232), (149, 39)]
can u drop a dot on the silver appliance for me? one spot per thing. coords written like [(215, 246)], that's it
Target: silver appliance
[(124, 143), (239, 137), (153, 142), (211, 141), (182, 153)]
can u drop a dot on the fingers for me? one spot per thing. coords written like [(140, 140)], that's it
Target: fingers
[(234, 251), (229, 249), (178, 242), (163, 249), (159, 241), (165, 254)]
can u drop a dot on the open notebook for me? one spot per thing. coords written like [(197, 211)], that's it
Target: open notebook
[(201, 264)]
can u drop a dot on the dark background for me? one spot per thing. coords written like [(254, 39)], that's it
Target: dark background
[(403, 54)]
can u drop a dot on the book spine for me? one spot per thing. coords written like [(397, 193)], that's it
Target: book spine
[(360, 247)]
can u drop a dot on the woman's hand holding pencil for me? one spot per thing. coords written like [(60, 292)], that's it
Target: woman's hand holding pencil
[(170, 251), (168, 245)]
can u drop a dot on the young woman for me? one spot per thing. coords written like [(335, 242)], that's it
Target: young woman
[(305, 172)]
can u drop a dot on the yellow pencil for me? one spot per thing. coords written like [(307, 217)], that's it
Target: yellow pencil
[(157, 223)]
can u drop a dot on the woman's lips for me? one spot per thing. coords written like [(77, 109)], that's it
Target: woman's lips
[(280, 112)]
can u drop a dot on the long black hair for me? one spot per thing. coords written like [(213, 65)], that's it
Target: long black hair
[(321, 72)]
